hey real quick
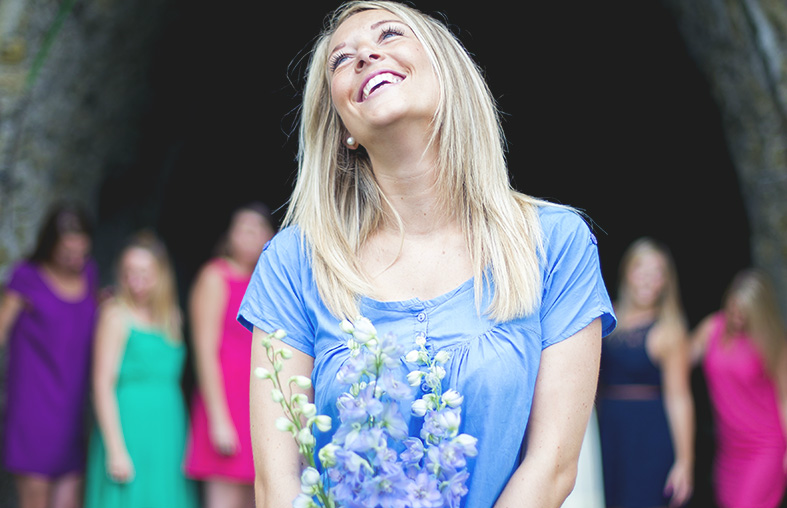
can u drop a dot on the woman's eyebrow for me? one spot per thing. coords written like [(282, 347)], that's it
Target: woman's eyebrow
[(374, 26)]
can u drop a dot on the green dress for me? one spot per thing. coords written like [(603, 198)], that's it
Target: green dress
[(154, 423)]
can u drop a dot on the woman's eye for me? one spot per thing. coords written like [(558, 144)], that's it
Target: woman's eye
[(337, 60), (390, 31)]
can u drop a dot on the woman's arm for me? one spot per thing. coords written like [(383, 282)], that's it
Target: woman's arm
[(698, 340), (277, 463), (679, 406), (207, 303), (109, 345), (10, 308), (781, 390), (564, 393)]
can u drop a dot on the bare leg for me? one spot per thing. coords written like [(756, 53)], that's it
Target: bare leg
[(67, 491), (33, 491), (223, 494)]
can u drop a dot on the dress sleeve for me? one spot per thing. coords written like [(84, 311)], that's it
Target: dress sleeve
[(274, 298), (23, 280), (574, 293)]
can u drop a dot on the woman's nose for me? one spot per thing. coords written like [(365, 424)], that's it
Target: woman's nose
[(366, 57)]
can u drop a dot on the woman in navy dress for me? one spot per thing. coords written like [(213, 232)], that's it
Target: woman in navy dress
[(645, 406)]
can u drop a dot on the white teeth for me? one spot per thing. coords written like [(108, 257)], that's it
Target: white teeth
[(385, 77)]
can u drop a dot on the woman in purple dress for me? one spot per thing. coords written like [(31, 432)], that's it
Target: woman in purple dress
[(46, 319)]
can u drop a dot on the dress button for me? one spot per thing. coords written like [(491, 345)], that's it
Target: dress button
[(421, 317)]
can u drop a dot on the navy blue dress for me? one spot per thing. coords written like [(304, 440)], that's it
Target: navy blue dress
[(636, 446)]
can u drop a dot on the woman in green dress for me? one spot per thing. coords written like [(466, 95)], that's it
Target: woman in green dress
[(136, 448)]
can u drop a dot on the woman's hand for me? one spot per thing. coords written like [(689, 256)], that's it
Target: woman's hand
[(680, 484), (119, 467), (224, 438)]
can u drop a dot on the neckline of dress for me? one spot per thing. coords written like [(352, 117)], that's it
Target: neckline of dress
[(416, 302)]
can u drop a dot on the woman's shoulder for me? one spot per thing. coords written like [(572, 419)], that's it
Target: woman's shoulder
[(23, 276), (562, 226), (288, 243), (561, 217)]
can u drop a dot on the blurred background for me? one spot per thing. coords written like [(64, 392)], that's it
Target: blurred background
[(658, 118)]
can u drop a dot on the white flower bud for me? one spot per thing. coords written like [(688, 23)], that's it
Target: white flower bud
[(442, 356), (414, 377), (309, 410), (310, 477), (303, 501), (279, 334), (346, 326), (299, 400), (364, 330), (323, 422), (327, 455), (420, 340), (277, 396), (305, 437), (468, 444), (412, 357), (452, 398), (262, 373), (419, 407), (284, 425), (301, 382), (286, 353)]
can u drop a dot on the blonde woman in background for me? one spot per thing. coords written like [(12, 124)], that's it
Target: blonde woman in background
[(645, 404), (403, 212), (744, 357), (136, 449)]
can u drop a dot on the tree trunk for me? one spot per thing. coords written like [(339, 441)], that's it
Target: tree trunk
[(741, 47)]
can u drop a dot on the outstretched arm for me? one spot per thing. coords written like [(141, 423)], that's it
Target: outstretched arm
[(277, 463), (562, 403)]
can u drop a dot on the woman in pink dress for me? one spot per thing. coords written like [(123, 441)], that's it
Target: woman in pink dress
[(219, 449), (744, 357)]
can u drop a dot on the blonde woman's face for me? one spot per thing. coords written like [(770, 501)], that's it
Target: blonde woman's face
[(140, 273), (646, 279), (380, 74)]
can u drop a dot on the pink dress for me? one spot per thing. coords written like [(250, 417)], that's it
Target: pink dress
[(202, 460), (748, 467)]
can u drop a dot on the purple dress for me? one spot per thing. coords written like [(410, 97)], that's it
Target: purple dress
[(47, 381)]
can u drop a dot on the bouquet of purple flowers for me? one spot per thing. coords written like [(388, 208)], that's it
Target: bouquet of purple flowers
[(372, 461)]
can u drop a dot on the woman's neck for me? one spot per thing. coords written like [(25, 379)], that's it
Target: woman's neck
[(634, 315), (407, 176)]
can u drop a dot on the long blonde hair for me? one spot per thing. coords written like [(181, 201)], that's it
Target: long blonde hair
[(670, 312), (337, 203), (753, 291), (165, 309)]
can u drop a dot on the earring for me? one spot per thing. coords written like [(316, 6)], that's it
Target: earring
[(350, 141)]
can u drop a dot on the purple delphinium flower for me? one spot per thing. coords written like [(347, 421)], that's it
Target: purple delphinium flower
[(426, 492)]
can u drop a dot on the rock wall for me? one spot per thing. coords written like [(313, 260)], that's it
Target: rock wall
[(741, 46), (78, 121)]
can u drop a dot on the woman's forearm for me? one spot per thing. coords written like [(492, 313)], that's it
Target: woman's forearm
[(108, 418), (277, 462), (680, 416), (211, 384), (538, 483)]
